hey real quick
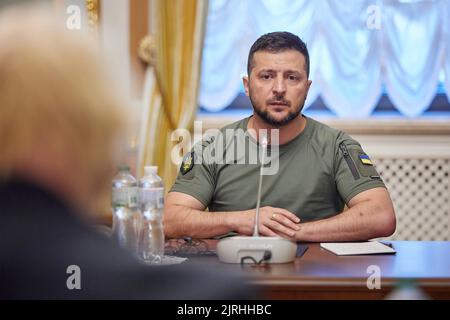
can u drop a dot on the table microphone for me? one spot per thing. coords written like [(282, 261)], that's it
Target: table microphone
[(261, 174), (257, 249)]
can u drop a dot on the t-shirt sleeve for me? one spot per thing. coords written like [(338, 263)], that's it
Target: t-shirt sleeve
[(196, 177), (354, 170)]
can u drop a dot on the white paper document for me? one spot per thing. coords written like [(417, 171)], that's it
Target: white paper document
[(357, 248)]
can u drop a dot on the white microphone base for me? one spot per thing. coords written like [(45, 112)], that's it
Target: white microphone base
[(234, 249)]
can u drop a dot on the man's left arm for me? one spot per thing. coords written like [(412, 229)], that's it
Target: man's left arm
[(370, 214)]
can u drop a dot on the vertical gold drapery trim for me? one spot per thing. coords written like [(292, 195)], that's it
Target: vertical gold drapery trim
[(149, 121), (188, 117), (179, 37), (93, 14)]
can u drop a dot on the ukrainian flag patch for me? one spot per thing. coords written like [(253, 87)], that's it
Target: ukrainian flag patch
[(365, 159)]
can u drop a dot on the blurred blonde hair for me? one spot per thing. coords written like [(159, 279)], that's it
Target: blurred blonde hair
[(54, 93)]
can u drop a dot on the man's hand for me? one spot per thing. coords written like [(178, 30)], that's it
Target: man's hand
[(370, 215), (184, 216), (272, 222)]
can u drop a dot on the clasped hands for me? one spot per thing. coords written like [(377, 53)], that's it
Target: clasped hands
[(273, 222)]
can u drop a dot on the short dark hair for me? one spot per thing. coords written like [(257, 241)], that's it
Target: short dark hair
[(275, 42)]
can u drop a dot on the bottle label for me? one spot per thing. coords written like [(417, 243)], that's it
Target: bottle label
[(160, 198), (152, 197), (132, 197), (125, 197)]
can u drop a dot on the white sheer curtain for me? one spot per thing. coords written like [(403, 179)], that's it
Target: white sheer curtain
[(446, 40), (355, 48)]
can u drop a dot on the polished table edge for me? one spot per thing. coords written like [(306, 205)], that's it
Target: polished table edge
[(325, 281), (278, 286)]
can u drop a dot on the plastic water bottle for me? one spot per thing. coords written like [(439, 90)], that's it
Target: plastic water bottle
[(151, 201), (126, 215)]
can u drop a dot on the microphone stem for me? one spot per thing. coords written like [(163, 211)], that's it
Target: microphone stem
[(258, 201)]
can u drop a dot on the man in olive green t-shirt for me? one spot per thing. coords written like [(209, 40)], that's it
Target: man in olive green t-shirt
[(312, 171)]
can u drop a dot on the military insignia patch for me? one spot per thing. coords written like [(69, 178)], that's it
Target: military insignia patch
[(187, 164), (365, 159)]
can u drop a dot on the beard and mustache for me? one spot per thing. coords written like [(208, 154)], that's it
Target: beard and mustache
[(264, 114)]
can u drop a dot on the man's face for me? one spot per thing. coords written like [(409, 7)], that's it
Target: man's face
[(277, 86)]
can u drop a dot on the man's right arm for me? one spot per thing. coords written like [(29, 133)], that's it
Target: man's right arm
[(185, 216)]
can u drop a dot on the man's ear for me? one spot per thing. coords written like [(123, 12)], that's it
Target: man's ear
[(308, 86), (245, 81)]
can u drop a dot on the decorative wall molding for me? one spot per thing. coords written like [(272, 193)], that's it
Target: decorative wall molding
[(371, 126), (93, 15)]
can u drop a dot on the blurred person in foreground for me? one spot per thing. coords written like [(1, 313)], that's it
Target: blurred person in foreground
[(59, 123)]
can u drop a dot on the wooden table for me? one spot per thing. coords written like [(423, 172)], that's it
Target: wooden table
[(320, 274)]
